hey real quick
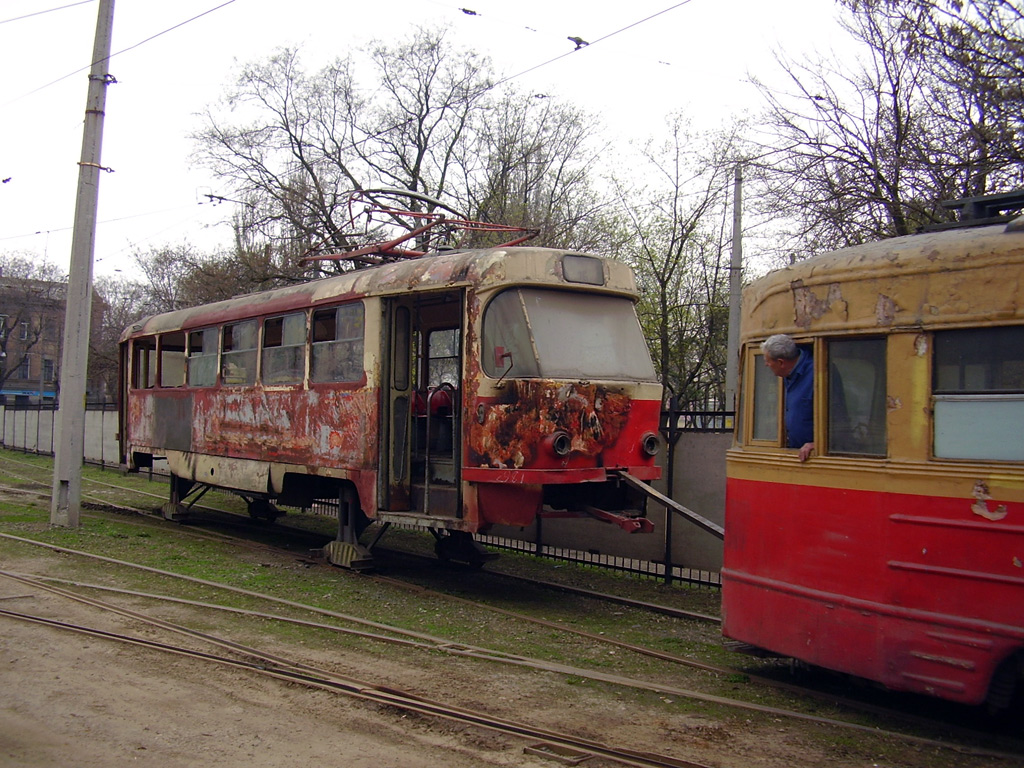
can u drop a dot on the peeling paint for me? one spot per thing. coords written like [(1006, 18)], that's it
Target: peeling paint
[(515, 425), (980, 506), (921, 345), (808, 307), (885, 310)]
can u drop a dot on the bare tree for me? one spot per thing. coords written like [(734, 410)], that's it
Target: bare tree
[(974, 49), (124, 302), (418, 115), (537, 157), (166, 270), (676, 243), (866, 150), (311, 140)]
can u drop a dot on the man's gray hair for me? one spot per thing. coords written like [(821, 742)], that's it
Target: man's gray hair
[(779, 347)]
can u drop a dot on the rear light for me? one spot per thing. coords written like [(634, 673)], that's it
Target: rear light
[(650, 444)]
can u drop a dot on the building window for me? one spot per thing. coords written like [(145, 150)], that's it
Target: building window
[(978, 393), (48, 369), (337, 344), (22, 371)]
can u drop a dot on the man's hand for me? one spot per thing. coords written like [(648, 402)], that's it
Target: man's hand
[(805, 451)]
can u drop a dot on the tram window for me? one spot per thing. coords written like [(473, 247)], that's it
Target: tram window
[(238, 361), (530, 332), (337, 344), (857, 397), (979, 393), (443, 357), (583, 269), (172, 359), (202, 358), (284, 349), (980, 360), (766, 402), (143, 363)]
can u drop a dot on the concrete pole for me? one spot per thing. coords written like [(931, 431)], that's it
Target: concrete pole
[(735, 287), (70, 446)]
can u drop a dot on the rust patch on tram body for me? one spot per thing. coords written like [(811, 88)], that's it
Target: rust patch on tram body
[(511, 429), (327, 428)]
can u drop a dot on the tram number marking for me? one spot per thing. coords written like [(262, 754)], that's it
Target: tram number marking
[(512, 477)]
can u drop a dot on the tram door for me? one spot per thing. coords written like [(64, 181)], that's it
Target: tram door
[(396, 486), (424, 370)]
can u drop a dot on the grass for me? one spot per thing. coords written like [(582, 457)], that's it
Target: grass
[(156, 543)]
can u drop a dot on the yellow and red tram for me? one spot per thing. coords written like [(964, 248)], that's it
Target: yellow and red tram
[(896, 551), (454, 391)]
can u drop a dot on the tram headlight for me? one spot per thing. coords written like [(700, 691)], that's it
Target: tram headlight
[(650, 444), (559, 443)]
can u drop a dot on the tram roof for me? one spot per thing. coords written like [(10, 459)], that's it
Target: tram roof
[(948, 278), (479, 268)]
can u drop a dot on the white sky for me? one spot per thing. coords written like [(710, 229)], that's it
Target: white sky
[(695, 56)]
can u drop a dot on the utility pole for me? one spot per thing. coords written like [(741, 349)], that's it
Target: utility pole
[(70, 446), (735, 288)]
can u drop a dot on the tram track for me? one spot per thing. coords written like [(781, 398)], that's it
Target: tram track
[(413, 639), (447, 646), (259, 662)]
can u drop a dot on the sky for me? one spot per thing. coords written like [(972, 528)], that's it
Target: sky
[(647, 58)]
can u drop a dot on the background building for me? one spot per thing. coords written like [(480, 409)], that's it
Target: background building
[(31, 334)]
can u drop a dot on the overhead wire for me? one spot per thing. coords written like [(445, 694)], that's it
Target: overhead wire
[(504, 80), (48, 10), (367, 138), (591, 43), (116, 53)]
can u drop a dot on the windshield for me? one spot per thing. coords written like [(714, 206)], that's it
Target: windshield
[(532, 332)]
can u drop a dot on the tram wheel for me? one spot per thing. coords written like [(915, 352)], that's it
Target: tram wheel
[(459, 546), (261, 509)]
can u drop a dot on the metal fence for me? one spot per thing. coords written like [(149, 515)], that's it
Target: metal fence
[(644, 568)]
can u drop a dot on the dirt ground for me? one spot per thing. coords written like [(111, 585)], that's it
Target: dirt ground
[(70, 699)]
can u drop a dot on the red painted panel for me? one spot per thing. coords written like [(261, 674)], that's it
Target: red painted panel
[(508, 505), (917, 592)]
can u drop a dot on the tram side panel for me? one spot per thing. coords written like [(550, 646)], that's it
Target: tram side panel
[(903, 589)]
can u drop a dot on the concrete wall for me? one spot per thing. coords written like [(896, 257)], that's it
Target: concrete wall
[(699, 485), (35, 429)]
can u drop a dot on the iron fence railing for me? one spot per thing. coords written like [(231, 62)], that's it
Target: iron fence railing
[(652, 569)]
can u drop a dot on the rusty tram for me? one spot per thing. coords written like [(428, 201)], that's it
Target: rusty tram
[(896, 552), (453, 392)]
